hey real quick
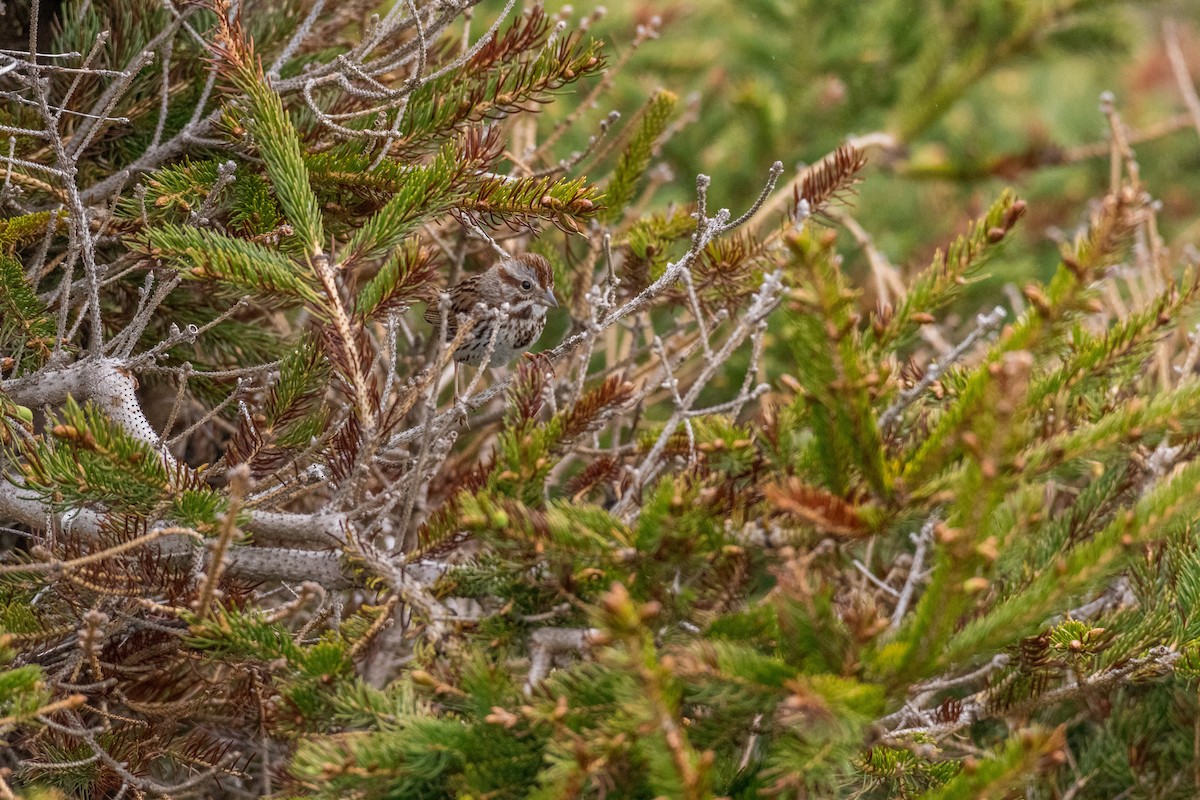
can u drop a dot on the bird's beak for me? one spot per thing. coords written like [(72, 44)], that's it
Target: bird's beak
[(548, 299)]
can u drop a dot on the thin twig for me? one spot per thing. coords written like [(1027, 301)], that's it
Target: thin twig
[(922, 541), (984, 324)]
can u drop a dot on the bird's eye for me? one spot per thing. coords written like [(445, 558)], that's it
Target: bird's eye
[(526, 285)]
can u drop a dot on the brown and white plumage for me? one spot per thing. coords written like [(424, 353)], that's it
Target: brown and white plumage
[(525, 283)]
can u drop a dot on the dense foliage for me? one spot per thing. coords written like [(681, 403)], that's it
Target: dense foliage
[(747, 524)]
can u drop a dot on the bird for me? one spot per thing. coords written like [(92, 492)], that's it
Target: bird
[(525, 282)]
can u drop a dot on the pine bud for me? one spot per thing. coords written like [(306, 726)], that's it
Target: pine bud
[(422, 678), (975, 585)]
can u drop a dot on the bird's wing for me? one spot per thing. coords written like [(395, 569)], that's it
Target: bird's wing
[(463, 298), (433, 315)]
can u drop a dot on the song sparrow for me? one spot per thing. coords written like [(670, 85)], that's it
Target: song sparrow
[(526, 283)]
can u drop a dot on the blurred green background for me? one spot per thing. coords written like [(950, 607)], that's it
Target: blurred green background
[(976, 94)]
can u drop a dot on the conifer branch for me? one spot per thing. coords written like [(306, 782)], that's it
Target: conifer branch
[(105, 381), (546, 643), (227, 350), (1158, 662), (984, 324)]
